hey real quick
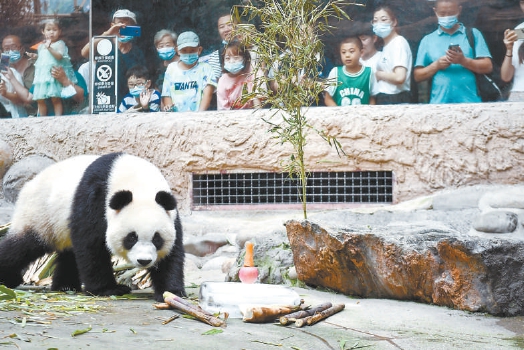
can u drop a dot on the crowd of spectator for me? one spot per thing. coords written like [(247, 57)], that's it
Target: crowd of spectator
[(376, 67)]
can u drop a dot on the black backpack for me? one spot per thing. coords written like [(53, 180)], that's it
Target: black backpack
[(3, 112), (489, 86)]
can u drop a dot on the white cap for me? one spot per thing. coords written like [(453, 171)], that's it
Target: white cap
[(125, 13), (187, 39)]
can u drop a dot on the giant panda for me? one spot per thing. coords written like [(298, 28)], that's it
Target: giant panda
[(87, 208)]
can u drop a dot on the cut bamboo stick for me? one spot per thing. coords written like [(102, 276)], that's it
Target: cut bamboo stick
[(162, 306), (201, 315), (270, 313), (311, 320), (293, 317)]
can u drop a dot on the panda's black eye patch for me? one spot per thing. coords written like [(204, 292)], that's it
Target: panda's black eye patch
[(130, 240), (158, 241), (120, 199)]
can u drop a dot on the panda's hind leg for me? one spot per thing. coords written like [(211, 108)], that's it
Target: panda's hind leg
[(65, 277), (17, 251)]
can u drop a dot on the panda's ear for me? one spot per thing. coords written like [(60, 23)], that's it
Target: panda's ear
[(120, 199), (166, 200)]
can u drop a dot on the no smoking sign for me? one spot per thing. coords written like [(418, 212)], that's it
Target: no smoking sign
[(105, 55)]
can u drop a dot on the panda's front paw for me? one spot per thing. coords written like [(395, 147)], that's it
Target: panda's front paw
[(118, 289)]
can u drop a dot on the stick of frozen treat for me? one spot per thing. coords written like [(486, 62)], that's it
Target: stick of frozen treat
[(293, 317), (190, 309), (311, 320)]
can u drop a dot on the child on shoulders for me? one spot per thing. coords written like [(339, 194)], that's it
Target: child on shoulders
[(140, 96), (51, 52), (352, 83), (188, 84)]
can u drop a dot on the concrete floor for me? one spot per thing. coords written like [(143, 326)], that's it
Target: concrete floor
[(364, 323)]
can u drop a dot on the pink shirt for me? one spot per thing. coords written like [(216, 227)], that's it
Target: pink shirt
[(229, 90)]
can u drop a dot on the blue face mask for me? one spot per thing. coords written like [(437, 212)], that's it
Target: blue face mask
[(234, 67), (447, 22), (382, 29), (136, 91), (125, 38), (189, 58), (14, 56), (166, 53)]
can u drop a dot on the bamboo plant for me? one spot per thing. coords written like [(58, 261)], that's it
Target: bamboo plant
[(287, 44)]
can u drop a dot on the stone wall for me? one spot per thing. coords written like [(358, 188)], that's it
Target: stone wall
[(428, 148)]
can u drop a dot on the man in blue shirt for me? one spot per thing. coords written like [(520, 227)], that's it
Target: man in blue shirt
[(446, 57)]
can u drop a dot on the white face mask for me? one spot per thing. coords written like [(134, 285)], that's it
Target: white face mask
[(234, 67), (382, 29)]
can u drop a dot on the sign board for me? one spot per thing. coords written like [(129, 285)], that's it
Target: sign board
[(104, 54)]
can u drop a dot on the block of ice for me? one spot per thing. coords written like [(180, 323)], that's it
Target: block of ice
[(219, 297)]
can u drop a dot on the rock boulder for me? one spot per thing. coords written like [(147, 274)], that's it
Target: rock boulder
[(423, 261), (22, 172), (6, 157)]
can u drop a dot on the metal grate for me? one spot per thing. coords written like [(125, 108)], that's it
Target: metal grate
[(278, 188)]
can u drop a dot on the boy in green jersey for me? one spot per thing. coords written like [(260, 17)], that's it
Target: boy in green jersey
[(351, 83)]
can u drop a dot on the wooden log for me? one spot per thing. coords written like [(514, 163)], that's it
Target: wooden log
[(311, 320), (201, 315), (293, 317)]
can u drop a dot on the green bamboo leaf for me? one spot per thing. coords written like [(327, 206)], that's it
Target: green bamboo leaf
[(81, 331), (213, 331), (7, 293)]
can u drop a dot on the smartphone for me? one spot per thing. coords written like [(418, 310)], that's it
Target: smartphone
[(454, 47), (520, 33), (131, 31), (4, 62)]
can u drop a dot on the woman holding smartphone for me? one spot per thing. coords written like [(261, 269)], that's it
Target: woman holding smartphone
[(513, 64)]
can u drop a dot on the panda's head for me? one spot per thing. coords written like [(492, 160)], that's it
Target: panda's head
[(141, 230)]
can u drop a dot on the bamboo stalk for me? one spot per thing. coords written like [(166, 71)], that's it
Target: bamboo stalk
[(311, 320), (162, 306), (293, 317), (259, 314), (201, 315), (172, 318)]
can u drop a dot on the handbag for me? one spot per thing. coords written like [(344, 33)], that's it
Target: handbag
[(487, 88)]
